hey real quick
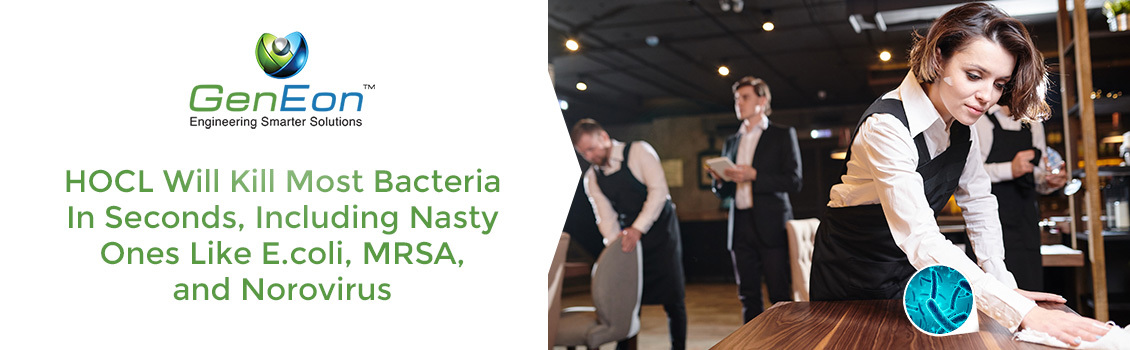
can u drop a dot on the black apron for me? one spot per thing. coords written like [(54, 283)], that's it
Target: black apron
[(1018, 208), (855, 256), (663, 280)]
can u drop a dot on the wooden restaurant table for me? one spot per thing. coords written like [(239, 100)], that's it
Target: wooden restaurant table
[(860, 324)]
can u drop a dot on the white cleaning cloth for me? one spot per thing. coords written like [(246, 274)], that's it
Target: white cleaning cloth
[(1117, 338)]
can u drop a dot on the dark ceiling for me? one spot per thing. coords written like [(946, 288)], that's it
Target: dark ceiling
[(813, 58)]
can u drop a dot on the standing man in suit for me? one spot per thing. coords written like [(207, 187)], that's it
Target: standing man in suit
[(768, 169)]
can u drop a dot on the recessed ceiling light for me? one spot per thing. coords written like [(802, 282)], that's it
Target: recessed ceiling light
[(582, 86), (723, 70), (564, 104), (768, 26), (572, 45), (885, 56)]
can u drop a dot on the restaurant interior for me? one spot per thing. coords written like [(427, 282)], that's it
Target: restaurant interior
[(661, 71)]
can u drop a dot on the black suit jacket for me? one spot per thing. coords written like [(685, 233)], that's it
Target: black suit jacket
[(777, 160)]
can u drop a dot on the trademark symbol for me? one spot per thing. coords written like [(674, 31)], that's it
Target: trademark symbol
[(370, 86)]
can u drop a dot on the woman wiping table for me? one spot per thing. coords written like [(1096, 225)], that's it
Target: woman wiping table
[(908, 156)]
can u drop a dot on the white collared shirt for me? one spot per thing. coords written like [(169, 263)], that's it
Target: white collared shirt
[(882, 171), (646, 168), (1002, 171), (747, 146)]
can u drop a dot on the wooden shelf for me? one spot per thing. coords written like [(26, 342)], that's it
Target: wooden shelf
[(1110, 62), (1107, 236), (1100, 38), (1105, 171), (1106, 106), (1059, 255)]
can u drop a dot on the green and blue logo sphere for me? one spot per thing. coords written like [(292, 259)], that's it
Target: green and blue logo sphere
[(938, 299), (281, 57)]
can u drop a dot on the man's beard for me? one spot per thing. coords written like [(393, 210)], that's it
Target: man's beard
[(603, 161)]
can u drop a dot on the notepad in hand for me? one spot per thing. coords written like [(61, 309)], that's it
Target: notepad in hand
[(719, 165)]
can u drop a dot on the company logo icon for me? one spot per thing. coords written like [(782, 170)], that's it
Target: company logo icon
[(281, 57)]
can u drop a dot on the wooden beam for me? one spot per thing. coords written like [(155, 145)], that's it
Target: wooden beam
[(1066, 71), (1090, 157)]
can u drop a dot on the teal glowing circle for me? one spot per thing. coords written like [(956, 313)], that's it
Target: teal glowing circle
[(938, 299)]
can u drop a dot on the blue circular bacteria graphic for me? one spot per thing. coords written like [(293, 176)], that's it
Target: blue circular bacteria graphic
[(938, 299)]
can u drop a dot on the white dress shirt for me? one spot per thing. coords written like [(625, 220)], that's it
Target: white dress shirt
[(1002, 171), (645, 167), (747, 146), (882, 171)]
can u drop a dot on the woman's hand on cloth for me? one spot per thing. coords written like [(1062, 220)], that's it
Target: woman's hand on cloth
[(1067, 327)]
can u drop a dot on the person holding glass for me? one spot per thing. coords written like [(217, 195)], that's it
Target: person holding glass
[(1012, 152), (912, 150)]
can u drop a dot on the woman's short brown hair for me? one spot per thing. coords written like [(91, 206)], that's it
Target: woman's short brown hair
[(951, 32), (759, 87)]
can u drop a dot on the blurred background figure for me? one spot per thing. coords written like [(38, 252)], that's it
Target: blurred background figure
[(767, 160), (628, 192), (1014, 156)]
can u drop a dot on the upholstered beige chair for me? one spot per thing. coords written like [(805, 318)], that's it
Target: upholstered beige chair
[(801, 234), (617, 283)]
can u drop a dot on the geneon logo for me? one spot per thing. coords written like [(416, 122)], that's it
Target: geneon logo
[(281, 57)]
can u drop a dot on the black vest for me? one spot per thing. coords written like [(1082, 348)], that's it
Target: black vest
[(855, 257), (662, 249), (1018, 208)]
